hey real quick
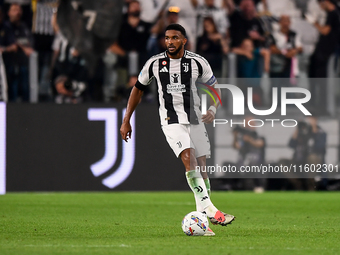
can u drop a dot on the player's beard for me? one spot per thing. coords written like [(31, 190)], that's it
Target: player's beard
[(176, 51)]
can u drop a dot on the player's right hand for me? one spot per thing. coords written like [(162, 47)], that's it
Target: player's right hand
[(125, 131)]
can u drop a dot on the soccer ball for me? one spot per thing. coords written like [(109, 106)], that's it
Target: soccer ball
[(195, 224)]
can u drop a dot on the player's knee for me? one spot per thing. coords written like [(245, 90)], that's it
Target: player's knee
[(188, 158), (185, 156)]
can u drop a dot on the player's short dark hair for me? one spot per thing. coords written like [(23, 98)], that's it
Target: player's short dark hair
[(176, 27)]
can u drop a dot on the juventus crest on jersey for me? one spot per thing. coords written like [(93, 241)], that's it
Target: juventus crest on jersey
[(176, 80)]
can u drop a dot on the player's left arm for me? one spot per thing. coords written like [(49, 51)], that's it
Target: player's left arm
[(209, 79), (211, 112)]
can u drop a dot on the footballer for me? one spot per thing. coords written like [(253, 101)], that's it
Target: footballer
[(179, 110)]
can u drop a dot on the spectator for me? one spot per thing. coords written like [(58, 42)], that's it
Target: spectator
[(69, 90), (325, 47), (158, 30), (132, 41), (150, 10), (208, 9), (285, 45), (17, 63), (7, 39), (212, 45), (244, 24), (66, 62), (308, 139), (43, 35), (7, 45), (133, 36), (251, 148), (249, 61), (71, 65), (26, 7), (187, 17), (309, 144)]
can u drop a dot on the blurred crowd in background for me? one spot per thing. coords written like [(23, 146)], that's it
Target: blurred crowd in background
[(309, 145), (282, 40), (267, 36)]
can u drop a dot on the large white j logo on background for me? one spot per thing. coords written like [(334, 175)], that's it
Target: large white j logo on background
[(2, 148), (111, 148)]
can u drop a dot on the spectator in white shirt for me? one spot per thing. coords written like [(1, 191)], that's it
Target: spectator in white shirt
[(208, 9)]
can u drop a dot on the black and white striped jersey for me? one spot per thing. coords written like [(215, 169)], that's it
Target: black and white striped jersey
[(177, 92), (42, 15)]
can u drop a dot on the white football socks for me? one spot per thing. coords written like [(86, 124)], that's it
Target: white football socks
[(207, 184), (199, 208), (198, 187)]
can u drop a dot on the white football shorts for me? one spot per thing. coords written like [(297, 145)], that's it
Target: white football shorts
[(184, 136)]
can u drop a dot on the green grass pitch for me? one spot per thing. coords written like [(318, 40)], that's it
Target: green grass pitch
[(150, 223)]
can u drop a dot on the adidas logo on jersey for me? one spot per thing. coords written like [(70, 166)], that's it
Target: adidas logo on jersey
[(164, 70)]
